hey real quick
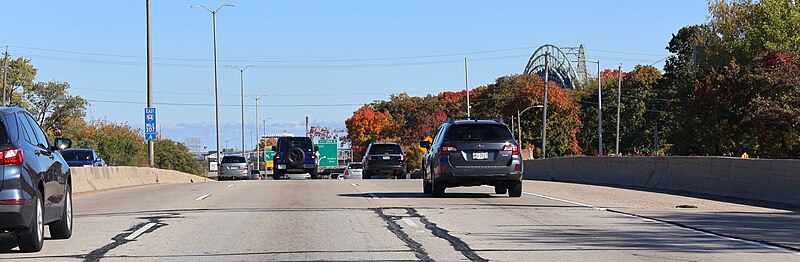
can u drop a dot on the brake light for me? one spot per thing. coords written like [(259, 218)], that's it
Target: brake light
[(346, 172), (447, 148), (513, 148), (221, 168), (313, 156), (277, 156), (245, 168), (11, 156), (518, 168), (12, 201)]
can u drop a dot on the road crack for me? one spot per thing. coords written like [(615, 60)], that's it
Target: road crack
[(392, 225), (119, 239)]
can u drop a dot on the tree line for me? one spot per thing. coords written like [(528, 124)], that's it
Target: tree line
[(61, 114), (731, 85)]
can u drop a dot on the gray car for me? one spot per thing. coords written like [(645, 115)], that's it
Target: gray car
[(472, 152), (233, 167)]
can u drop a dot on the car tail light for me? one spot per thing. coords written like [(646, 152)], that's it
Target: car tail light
[(447, 148), (245, 168), (11, 156), (277, 156), (402, 157), (518, 168), (221, 168), (12, 201), (513, 148), (313, 156), (346, 172)]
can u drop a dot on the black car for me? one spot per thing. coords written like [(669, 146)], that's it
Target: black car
[(472, 152), (82, 158), (294, 155), (384, 160), (36, 183)]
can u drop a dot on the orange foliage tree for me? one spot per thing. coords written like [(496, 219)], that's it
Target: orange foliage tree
[(366, 126)]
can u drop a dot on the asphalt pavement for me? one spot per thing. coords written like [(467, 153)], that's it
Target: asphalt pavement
[(391, 220)]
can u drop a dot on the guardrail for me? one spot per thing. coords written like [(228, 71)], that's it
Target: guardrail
[(87, 179), (770, 180)]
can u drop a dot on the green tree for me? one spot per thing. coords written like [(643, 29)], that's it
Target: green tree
[(20, 76), (175, 156), (52, 106)]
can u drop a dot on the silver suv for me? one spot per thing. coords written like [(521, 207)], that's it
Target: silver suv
[(472, 152), (233, 167)]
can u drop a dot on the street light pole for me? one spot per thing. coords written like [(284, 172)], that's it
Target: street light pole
[(619, 102), (544, 113), (258, 151), (241, 80), (216, 77), (466, 84), (150, 145)]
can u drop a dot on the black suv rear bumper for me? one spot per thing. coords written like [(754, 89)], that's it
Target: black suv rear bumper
[(384, 170), (16, 217), (477, 180)]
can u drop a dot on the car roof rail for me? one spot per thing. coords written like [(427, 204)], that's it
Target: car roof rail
[(453, 119)]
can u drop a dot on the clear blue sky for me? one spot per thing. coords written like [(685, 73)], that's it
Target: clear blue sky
[(314, 53)]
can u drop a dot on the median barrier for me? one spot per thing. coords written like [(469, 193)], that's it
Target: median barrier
[(87, 179), (768, 180)]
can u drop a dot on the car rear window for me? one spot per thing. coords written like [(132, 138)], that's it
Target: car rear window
[(385, 149), (356, 166), (233, 160), (472, 133), (77, 155), (301, 142)]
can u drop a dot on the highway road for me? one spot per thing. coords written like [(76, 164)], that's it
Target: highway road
[(390, 220)]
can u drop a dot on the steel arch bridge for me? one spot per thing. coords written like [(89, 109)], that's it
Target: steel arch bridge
[(565, 68)]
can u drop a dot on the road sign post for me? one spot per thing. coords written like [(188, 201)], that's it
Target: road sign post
[(150, 123), (328, 153)]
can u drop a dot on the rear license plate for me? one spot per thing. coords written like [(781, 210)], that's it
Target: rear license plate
[(480, 155), (387, 158), (233, 167)]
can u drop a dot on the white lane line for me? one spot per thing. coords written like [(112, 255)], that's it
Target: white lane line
[(410, 222), (353, 184), (373, 196), (140, 231), (230, 185), (202, 197), (754, 243)]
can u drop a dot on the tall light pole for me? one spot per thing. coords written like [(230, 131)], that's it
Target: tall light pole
[(150, 146), (466, 84), (544, 112), (216, 77), (519, 123), (619, 102), (599, 108), (241, 80), (258, 151)]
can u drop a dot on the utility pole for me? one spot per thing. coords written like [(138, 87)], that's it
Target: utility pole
[(599, 112), (619, 102), (306, 126), (544, 111), (150, 147), (216, 71), (466, 84), (5, 71), (655, 138), (241, 80), (258, 144)]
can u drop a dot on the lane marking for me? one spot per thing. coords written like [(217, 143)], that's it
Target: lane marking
[(373, 196), (410, 222), (140, 231), (673, 225), (202, 197), (230, 185), (353, 184)]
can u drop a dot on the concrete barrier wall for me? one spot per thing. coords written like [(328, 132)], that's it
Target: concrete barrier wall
[(87, 179), (769, 180)]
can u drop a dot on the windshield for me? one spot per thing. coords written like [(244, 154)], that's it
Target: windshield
[(477, 133), (355, 166), (378, 149), (233, 159), (77, 155)]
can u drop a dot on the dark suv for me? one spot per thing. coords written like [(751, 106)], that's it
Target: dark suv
[(34, 183), (472, 152), (294, 155), (384, 160)]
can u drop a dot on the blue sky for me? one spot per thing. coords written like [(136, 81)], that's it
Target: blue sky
[(320, 59)]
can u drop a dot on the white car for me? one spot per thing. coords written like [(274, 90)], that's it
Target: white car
[(353, 171)]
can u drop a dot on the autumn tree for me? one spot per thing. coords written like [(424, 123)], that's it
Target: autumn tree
[(52, 106), (367, 126)]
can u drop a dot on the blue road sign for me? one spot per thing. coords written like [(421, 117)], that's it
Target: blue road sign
[(150, 123)]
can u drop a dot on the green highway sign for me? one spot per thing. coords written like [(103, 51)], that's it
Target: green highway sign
[(269, 155), (328, 153)]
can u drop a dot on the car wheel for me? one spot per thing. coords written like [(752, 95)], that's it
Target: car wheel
[(426, 187), (32, 239), (500, 189), (277, 175), (62, 229), (515, 189), (402, 176), (438, 189), (313, 173)]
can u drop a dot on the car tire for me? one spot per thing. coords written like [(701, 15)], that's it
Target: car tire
[(515, 189), (500, 189), (426, 187), (277, 174), (314, 173), (402, 176), (32, 239), (438, 189), (62, 229)]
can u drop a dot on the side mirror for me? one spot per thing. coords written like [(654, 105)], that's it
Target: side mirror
[(98, 160), (274, 149), (425, 144), (316, 148), (63, 143)]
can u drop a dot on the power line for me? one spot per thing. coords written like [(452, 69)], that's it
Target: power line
[(248, 105)]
